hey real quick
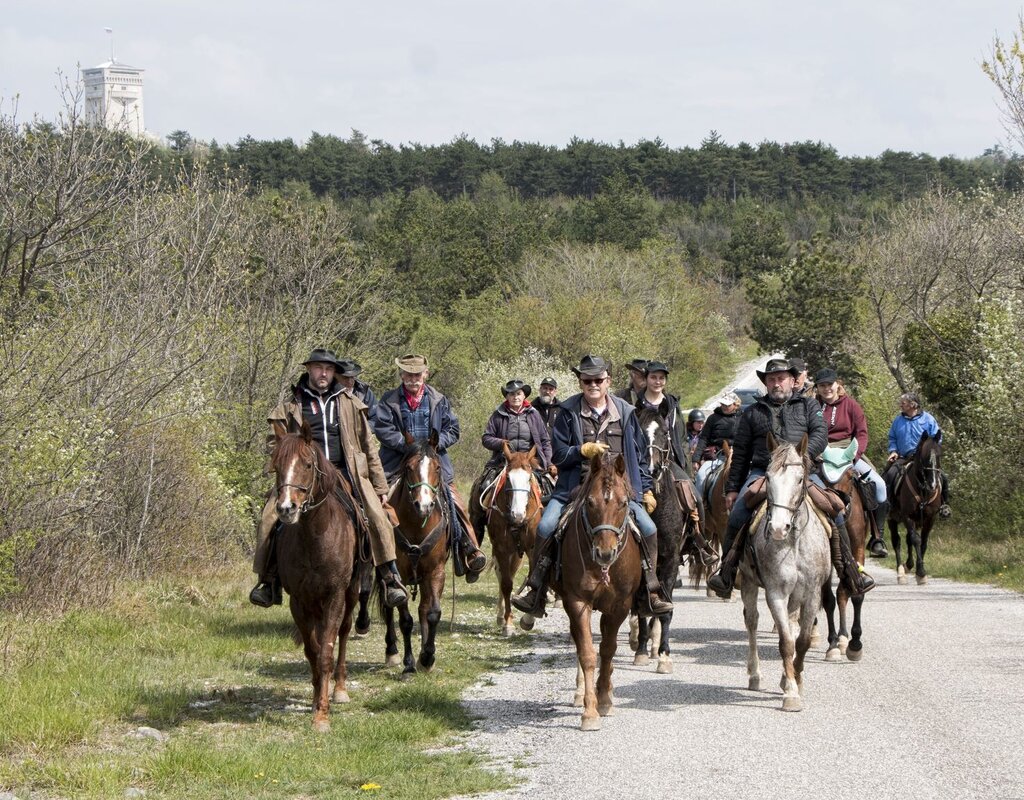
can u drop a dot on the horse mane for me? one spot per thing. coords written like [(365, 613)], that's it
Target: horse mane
[(520, 461), (293, 445), (607, 473), (419, 447), (780, 454)]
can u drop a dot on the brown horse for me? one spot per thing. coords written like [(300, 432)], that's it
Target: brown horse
[(316, 557), (716, 517), (512, 525), (916, 503), (600, 570), (421, 544)]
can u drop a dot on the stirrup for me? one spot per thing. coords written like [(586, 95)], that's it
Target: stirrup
[(395, 593), (876, 547), (534, 609), (720, 586), (945, 511)]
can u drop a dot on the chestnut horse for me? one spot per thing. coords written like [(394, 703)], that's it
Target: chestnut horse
[(600, 571), (512, 525), (846, 641), (316, 558), (915, 504), (421, 545)]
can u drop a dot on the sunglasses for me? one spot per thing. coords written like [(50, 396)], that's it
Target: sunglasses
[(592, 381)]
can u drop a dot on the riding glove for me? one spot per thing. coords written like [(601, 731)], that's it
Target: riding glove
[(649, 502), (591, 449)]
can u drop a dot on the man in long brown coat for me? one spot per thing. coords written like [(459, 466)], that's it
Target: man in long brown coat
[(340, 426)]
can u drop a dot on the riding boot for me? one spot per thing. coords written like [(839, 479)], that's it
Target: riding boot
[(655, 603), (267, 592), (944, 510), (851, 573), (467, 549), (696, 545), (395, 593), (877, 544), (732, 548), (530, 598)]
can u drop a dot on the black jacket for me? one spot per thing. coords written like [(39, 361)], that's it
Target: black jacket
[(794, 418), (718, 428)]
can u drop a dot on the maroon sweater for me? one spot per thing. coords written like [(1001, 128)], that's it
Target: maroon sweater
[(844, 419)]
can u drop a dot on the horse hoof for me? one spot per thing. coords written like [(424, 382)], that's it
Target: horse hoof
[(833, 654), (754, 684), (393, 660), (711, 595), (606, 711), (922, 580), (507, 630), (844, 643), (664, 666), (854, 655), (362, 630), (641, 660), (358, 634), (407, 674), (634, 632), (901, 580), (590, 724), (577, 701), (340, 696), (557, 603), (421, 667), (321, 725), (792, 704), (815, 640)]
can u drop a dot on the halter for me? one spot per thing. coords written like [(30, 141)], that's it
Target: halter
[(534, 489), (800, 500), (308, 490), (592, 531)]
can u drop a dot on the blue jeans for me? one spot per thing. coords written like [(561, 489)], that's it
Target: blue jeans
[(740, 514), (549, 520)]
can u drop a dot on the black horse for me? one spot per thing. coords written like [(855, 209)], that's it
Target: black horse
[(915, 502)]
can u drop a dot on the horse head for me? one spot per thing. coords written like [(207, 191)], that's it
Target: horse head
[(929, 471), (606, 508), (421, 473), (787, 484), (298, 467), (519, 484), (655, 426)]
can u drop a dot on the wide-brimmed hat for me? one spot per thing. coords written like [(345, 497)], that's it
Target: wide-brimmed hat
[(516, 385), (798, 364), (549, 381), (777, 365), (592, 367), (639, 365), (323, 356), (729, 399), (412, 363), (349, 368), (657, 366), (827, 375)]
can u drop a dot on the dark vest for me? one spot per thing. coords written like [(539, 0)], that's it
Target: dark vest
[(321, 413), (603, 431), (416, 423)]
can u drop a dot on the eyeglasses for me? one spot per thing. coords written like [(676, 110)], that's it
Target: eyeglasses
[(592, 381)]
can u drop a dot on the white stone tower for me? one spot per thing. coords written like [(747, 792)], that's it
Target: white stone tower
[(113, 97)]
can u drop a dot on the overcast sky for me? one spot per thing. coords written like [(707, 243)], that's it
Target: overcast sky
[(864, 76)]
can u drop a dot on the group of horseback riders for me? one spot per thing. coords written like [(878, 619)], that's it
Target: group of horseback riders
[(366, 440)]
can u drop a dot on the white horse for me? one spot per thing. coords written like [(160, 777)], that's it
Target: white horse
[(791, 563)]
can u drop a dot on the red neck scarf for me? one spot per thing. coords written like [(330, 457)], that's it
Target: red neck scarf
[(414, 401)]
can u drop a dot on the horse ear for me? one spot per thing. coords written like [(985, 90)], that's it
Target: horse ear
[(925, 435), (434, 439), (280, 431), (532, 454), (770, 440), (294, 426), (620, 464), (506, 450), (801, 448), (938, 436), (307, 432)]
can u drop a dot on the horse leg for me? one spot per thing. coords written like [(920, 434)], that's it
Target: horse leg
[(579, 625), (843, 599), (634, 631), (610, 624), (366, 572), (828, 602), (341, 666), (748, 593), (430, 616), (894, 534), (808, 613), (641, 659), (914, 550), (405, 624), (391, 658), (506, 570), (320, 652), (855, 649), (926, 527), (787, 649), (664, 649)]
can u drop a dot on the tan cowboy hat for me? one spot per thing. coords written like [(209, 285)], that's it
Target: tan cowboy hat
[(413, 363)]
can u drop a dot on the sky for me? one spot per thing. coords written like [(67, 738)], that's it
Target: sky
[(862, 76)]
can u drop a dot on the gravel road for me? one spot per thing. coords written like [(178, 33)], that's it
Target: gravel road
[(934, 709)]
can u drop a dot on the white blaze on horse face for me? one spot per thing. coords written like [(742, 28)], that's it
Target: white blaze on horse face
[(519, 480), (424, 494), (652, 428), (287, 507), (784, 491)]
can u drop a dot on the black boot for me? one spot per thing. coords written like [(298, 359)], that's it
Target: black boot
[(395, 593), (656, 604), (475, 559), (732, 547), (267, 592), (530, 599), (877, 544), (855, 580)]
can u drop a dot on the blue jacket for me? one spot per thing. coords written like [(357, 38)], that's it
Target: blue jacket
[(387, 424), (567, 438), (905, 432)]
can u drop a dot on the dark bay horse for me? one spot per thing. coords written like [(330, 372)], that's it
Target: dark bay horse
[(421, 545), (789, 557), (838, 473), (600, 571), (915, 504), (316, 557), (716, 516), (512, 525), (671, 521)]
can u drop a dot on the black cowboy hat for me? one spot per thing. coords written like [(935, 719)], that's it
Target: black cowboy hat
[(827, 375), (515, 385), (798, 364), (323, 356), (639, 365), (349, 368), (657, 366), (549, 381), (777, 365), (592, 367)]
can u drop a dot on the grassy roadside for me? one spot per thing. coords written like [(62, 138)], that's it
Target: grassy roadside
[(222, 681), (954, 554)]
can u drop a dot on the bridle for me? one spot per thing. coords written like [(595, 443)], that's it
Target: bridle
[(592, 531), (534, 489), (793, 509), (307, 504)]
